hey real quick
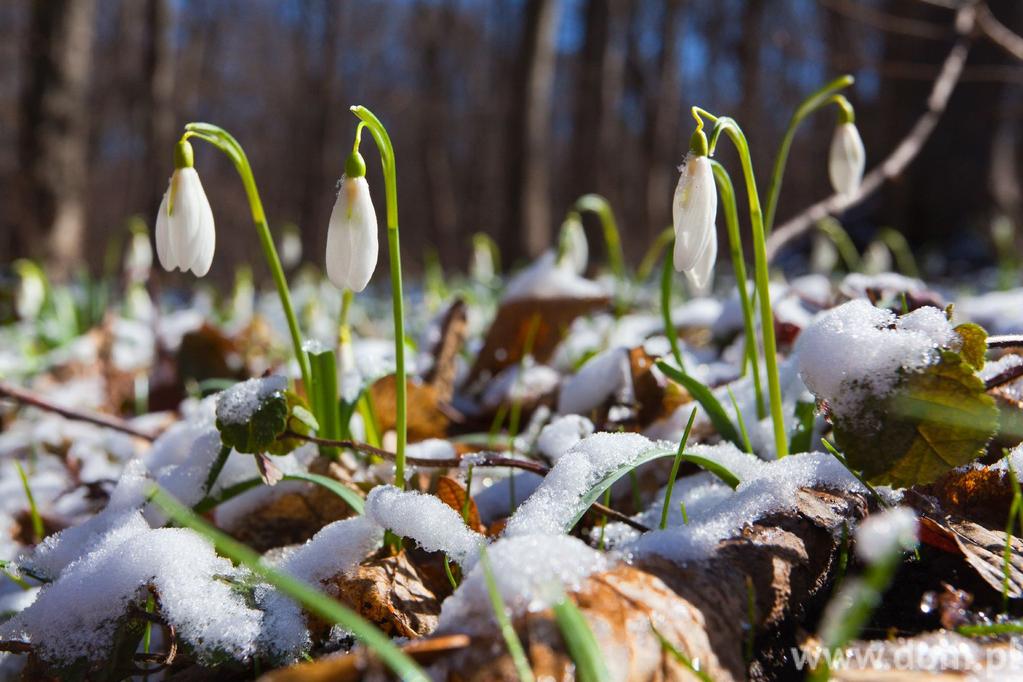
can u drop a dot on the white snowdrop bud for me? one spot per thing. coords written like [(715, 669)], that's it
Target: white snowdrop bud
[(352, 234), (185, 238), (573, 250), (847, 159), (694, 211)]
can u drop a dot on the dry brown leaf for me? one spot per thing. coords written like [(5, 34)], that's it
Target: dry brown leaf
[(983, 550), (453, 495), (454, 329), (426, 417), (390, 593), (506, 338), (981, 495)]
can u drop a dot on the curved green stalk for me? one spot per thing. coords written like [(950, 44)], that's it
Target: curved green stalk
[(383, 142), (842, 241), (727, 193), (811, 104), (669, 327), (898, 245), (224, 141), (600, 206), (728, 126), (646, 266)]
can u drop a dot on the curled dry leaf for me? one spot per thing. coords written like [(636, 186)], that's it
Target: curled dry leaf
[(390, 593), (983, 550), (506, 339), (452, 494)]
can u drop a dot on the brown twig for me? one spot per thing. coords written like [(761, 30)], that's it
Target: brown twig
[(483, 460), (15, 647), (904, 152), (1004, 377), (27, 397), (1005, 341)]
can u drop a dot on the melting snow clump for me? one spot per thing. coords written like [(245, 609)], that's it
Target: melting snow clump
[(856, 351), (77, 615), (237, 404), (561, 434), (606, 375), (765, 488), (554, 503), (336, 549), (424, 518), (885, 533), (532, 573)]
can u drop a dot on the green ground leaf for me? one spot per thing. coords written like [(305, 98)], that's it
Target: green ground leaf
[(299, 420), (934, 421), (974, 344)]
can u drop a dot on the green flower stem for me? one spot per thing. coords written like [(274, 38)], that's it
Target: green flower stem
[(325, 396), (667, 271), (728, 126), (612, 238), (899, 247), (817, 100), (834, 231), (646, 266), (383, 142), (223, 141), (727, 193)]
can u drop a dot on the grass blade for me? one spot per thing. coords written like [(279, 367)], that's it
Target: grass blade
[(582, 645), (679, 656), (710, 404), (674, 469), (511, 638), (37, 521), (311, 598), (587, 500), (351, 498)]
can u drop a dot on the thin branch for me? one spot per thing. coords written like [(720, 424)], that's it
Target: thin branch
[(904, 152), (1005, 341), (889, 23), (479, 460), (1004, 377), (27, 397), (999, 33)]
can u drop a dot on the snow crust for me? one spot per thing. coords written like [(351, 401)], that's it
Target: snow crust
[(603, 376), (532, 573), (586, 463), (435, 526), (237, 404), (561, 434), (545, 279), (857, 351)]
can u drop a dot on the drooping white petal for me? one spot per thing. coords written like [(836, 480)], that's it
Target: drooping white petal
[(352, 236), (577, 249), (701, 275), (164, 248), (847, 159), (694, 210), (190, 218), (207, 242)]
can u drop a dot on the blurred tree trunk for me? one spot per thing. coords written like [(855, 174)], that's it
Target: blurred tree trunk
[(53, 138), (661, 130), (529, 151), (158, 114), (433, 26), (316, 107)]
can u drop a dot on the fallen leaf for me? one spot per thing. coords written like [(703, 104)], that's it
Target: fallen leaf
[(452, 494), (390, 593), (506, 339)]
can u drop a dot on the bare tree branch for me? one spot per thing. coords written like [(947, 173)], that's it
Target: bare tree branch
[(999, 33), (889, 23), (905, 152), (26, 397)]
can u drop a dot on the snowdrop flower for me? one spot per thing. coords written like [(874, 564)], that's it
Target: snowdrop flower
[(352, 232), (694, 211), (139, 257), (573, 249), (847, 158), (185, 238)]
